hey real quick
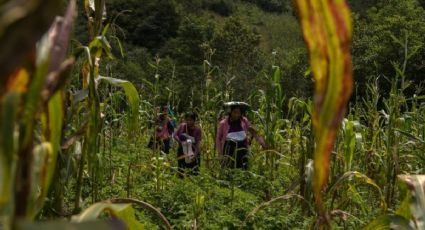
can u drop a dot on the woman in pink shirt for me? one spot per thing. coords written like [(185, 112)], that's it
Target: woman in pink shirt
[(232, 137), (164, 129)]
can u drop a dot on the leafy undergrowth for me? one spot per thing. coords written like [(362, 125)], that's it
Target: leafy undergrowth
[(216, 199)]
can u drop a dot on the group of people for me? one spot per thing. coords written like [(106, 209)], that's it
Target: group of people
[(234, 135)]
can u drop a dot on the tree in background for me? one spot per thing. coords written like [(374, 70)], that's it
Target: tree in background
[(238, 55), (273, 6), (147, 23), (383, 36)]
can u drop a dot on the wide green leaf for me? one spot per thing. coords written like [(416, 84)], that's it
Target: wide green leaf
[(416, 184), (42, 156), (45, 155), (8, 155), (55, 225), (133, 99), (385, 222), (123, 212)]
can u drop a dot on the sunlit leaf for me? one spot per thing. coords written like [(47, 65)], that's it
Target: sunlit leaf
[(327, 30), (404, 207), (101, 43), (123, 212), (18, 82), (42, 157), (54, 225), (132, 96), (55, 116)]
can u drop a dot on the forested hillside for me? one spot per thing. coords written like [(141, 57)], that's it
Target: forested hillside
[(242, 39), (212, 114)]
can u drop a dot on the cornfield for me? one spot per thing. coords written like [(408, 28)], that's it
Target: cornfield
[(73, 136)]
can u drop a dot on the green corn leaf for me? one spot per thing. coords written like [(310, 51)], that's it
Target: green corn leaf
[(55, 225), (416, 184), (252, 213), (133, 99), (45, 155), (327, 30), (95, 210), (101, 43), (411, 136), (32, 100), (349, 143), (42, 158), (82, 51), (117, 40), (8, 117), (389, 222), (105, 30), (9, 110), (123, 212), (364, 178), (404, 207)]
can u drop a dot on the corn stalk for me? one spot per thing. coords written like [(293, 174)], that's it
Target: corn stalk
[(327, 29)]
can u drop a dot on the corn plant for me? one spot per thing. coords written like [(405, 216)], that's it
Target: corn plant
[(411, 212), (37, 91), (270, 114), (299, 111), (92, 57), (32, 113), (328, 36)]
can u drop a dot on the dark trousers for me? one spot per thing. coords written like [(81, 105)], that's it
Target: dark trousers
[(192, 167), (165, 145), (236, 154)]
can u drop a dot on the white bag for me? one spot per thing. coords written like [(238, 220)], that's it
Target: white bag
[(188, 151)]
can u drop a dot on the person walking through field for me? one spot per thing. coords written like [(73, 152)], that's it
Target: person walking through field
[(232, 140), (164, 129), (189, 138)]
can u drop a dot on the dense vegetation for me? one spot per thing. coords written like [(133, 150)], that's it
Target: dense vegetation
[(185, 33), (75, 122)]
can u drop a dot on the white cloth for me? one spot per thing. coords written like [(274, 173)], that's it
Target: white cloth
[(236, 136), (188, 149)]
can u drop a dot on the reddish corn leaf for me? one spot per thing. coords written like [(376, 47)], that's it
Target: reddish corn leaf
[(327, 30), (18, 82)]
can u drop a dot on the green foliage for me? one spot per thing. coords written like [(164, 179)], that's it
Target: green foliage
[(133, 101), (222, 7), (237, 55), (87, 137), (186, 48), (122, 212), (361, 6), (147, 23), (388, 37), (274, 6)]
